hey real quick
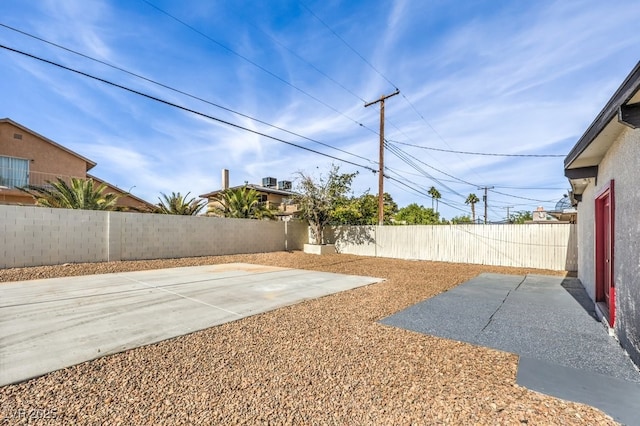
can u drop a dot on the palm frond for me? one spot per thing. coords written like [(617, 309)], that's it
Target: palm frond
[(80, 194)]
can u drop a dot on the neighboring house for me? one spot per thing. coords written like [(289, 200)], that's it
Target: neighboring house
[(564, 211), (603, 169), (558, 215), (276, 195), (27, 158)]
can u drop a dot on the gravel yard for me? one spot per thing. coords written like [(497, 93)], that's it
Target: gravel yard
[(324, 361)]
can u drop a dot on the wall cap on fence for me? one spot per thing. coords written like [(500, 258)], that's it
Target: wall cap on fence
[(319, 248)]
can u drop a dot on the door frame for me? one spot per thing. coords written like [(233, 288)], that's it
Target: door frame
[(605, 223)]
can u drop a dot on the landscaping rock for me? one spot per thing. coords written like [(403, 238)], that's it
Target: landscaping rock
[(324, 361)]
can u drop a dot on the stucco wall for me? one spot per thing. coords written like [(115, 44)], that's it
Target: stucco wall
[(45, 158), (586, 241), (621, 164)]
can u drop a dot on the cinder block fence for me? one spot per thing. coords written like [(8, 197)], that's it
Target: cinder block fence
[(33, 236)]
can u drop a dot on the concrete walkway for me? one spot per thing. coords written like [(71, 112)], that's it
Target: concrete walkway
[(551, 323), (46, 325)]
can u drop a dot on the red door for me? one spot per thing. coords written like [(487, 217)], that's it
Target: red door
[(606, 241), (605, 287)]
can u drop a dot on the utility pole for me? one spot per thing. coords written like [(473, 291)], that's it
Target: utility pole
[(381, 168), (508, 216), (484, 200)]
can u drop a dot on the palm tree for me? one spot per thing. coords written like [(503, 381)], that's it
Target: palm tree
[(81, 194), (435, 195), (472, 199), (241, 203), (179, 205)]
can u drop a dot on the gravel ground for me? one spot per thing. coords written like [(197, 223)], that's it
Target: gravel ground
[(324, 361)]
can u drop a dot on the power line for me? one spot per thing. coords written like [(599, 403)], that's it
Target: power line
[(403, 155), (255, 119), (379, 73), (479, 153), (374, 69), (420, 192), (348, 45), (466, 182), (181, 91), (274, 75), (423, 192), (532, 188), (369, 64), (163, 101), (497, 186), (315, 68), (297, 88), (416, 110), (407, 159), (522, 198), (391, 146), (406, 136), (495, 202)]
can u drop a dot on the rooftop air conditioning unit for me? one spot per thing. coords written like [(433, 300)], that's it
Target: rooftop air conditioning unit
[(284, 185), (269, 182)]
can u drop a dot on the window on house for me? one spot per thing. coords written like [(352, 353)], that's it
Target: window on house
[(262, 198), (14, 172)]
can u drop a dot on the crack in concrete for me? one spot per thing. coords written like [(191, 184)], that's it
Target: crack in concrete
[(502, 304)]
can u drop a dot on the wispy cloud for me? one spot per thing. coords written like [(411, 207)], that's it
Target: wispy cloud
[(80, 25), (487, 76)]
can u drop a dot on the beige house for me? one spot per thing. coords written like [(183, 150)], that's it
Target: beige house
[(602, 169), (28, 158), (276, 195)]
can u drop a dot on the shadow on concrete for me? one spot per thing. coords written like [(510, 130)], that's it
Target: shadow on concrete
[(574, 287)]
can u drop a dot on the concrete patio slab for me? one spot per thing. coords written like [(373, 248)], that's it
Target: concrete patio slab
[(550, 322), (46, 325), (616, 397)]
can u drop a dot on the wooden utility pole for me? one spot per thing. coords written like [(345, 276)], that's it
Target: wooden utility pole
[(381, 168), (508, 216), (484, 200)]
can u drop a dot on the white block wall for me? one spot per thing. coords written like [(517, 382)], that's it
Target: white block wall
[(32, 236), (42, 236)]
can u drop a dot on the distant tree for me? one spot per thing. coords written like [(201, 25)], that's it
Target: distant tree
[(435, 195), (413, 214), (242, 203), (81, 194), (520, 217), (318, 198), (472, 199), (390, 208), (363, 210), (179, 205), (461, 219)]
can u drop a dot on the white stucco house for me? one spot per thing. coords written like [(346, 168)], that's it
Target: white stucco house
[(604, 171)]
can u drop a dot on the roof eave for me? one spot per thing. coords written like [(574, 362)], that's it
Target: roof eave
[(124, 193), (252, 186), (625, 92), (90, 164)]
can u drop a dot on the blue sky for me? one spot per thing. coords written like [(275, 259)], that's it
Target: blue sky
[(491, 76)]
